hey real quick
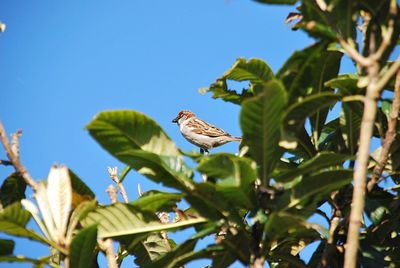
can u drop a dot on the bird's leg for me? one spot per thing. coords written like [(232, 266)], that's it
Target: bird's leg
[(204, 152)]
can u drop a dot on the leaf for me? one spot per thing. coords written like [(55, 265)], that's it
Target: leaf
[(312, 189), (138, 141), (319, 162), (260, 120), (44, 207), (82, 249), (208, 201), (81, 192), (12, 189), (237, 177), (13, 220), (156, 201), (6, 247), (287, 226), (255, 71), (181, 255), (236, 247), (123, 219), (150, 249), (78, 214), (350, 123), (59, 193), (346, 85), (298, 112)]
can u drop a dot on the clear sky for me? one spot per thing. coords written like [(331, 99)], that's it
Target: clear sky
[(61, 63)]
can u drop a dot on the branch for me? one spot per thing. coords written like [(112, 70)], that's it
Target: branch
[(113, 175), (353, 53), (14, 159), (389, 137), (389, 33), (107, 247), (112, 194), (5, 163)]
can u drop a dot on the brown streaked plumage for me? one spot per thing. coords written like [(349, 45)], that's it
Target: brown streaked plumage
[(201, 133)]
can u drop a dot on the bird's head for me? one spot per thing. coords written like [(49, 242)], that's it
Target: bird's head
[(182, 116)]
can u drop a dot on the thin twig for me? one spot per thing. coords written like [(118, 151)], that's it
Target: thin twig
[(353, 53), (5, 163), (113, 175), (107, 247), (112, 194), (15, 160), (389, 137), (15, 142), (388, 34)]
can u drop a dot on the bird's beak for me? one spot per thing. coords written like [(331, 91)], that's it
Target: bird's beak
[(175, 120)]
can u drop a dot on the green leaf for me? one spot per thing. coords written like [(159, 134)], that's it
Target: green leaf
[(13, 220), (237, 177), (350, 123), (236, 247), (156, 201), (182, 254), (298, 112), (260, 120), (319, 162), (79, 186), (123, 219), (314, 188), (283, 226), (346, 85), (12, 189), (256, 71), (322, 24), (138, 141), (6, 247), (208, 201), (150, 249), (83, 245), (305, 73)]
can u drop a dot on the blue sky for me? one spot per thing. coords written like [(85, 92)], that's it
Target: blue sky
[(61, 63)]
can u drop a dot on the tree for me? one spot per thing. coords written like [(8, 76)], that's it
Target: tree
[(292, 160)]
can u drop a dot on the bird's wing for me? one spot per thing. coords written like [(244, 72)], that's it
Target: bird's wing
[(199, 126)]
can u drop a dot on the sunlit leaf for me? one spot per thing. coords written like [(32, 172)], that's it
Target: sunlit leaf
[(138, 141), (59, 194), (155, 201), (237, 176), (13, 220), (260, 120), (123, 219), (256, 71)]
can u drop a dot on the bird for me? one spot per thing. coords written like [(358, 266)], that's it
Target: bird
[(200, 133)]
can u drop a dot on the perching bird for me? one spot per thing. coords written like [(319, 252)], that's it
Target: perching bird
[(201, 133)]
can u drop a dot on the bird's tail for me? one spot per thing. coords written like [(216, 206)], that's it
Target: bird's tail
[(239, 139)]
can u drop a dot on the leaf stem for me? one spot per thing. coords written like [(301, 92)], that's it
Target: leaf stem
[(389, 137)]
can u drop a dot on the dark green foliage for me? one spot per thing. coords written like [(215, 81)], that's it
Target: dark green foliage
[(83, 248), (12, 189)]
